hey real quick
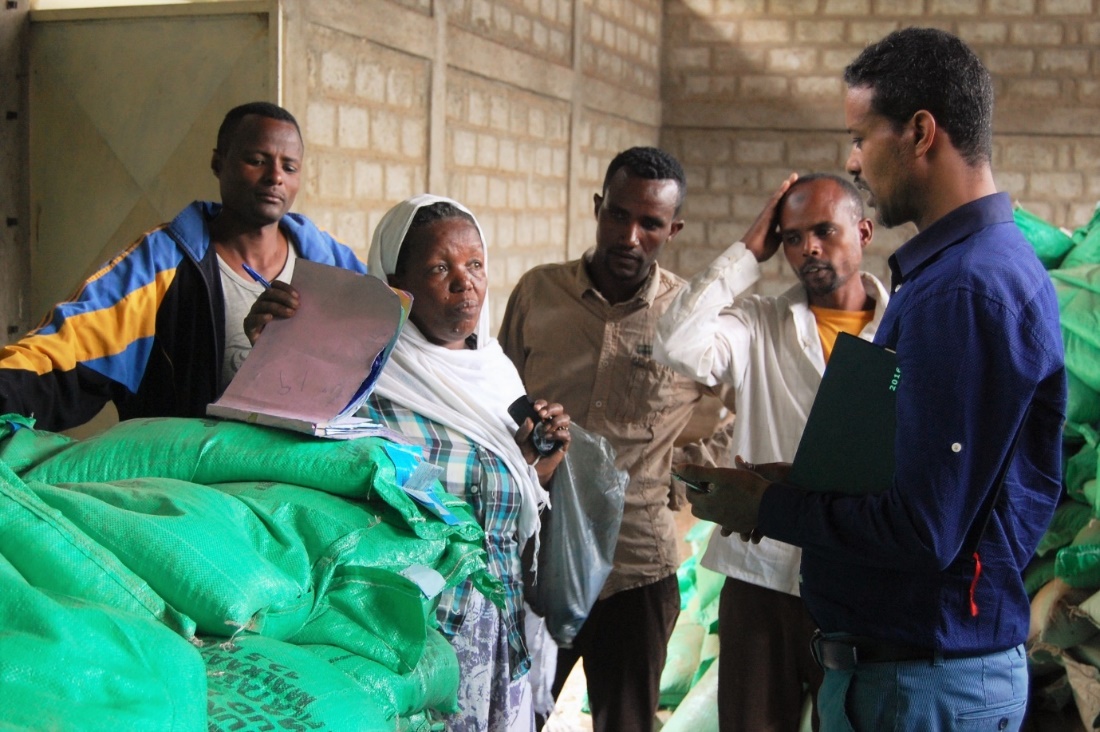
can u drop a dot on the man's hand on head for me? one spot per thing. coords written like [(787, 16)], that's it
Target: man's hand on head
[(762, 238), (278, 301)]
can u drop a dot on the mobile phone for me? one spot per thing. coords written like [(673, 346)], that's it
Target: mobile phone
[(523, 408), (697, 486)]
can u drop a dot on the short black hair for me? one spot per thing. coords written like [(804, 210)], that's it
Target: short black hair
[(426, 216), (650, 163), (846, 186), (234, 116), (927, 68)]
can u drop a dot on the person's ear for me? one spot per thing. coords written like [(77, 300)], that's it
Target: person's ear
[(677, 225), (866, 231), (394, 280), (597, 201), (216, 163), (924, 132)]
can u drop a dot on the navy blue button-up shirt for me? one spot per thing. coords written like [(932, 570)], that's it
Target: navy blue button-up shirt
[(974, 322)]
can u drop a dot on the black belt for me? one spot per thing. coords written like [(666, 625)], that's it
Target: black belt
[(846, 652)]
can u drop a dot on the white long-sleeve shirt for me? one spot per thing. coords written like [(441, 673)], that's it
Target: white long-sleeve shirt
[(768, 349)]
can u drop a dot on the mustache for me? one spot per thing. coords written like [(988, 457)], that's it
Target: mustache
[(813, 263)]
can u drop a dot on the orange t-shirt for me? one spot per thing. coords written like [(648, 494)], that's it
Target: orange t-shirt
[(831, 323)]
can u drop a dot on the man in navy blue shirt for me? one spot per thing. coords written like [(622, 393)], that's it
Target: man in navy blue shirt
[(917, 590)]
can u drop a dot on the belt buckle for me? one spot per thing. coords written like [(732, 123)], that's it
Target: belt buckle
[(832, 654)]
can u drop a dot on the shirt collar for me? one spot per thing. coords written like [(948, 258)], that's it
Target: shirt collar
[(946, 232), (797, 301), (646, 294)]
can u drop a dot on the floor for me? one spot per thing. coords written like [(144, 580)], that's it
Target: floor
[(567, 716)]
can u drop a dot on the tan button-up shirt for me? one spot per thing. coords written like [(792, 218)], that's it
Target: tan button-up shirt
[(572, 346)]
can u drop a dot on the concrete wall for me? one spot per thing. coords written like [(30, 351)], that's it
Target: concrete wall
[(752, 90), (14, 193), (513, 107), (516, 106)]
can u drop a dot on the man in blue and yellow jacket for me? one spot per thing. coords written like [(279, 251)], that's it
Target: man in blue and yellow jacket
[(159, 329)]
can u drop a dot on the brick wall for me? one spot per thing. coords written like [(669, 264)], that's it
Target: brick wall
[(513, 107), (541, 28), (15, 318), (752, 90), (730, 176), (508, 161), (365, 128), (516, 106)]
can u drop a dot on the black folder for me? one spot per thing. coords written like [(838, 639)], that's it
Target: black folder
[(848, 443)]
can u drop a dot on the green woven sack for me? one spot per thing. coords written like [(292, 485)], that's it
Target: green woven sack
[(53, 554), (1086, 248), (1051, 243), (384, 604), (1078, 564), (22, 447), (1094, 222), (1081, 467), (339, 531), (708, 655), (216, 549), (432, 684), (682, 661), (421, 722), (697, 712), (1069, 518), (708, 590), (1082, 401), (685, 578), (257, 683), (1078, 293), (208, 554), (66, 664), (263, 556), (210, 451), (1038, 573)]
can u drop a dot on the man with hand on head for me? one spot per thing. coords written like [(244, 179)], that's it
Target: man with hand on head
[(581, 333), (159, 330), (772, 352), (917, 589)]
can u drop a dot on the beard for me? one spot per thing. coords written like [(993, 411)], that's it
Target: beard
[(818, 277), (890, 212), (890, 215)]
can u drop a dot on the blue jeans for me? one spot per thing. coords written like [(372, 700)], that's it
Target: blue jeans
[(977, 693)]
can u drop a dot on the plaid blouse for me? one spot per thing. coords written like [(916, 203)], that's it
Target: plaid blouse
[(479, 476)]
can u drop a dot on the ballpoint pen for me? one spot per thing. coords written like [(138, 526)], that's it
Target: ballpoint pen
[(255, 275), (695, 485)]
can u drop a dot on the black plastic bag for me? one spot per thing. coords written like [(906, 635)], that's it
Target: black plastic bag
[(577, 537)]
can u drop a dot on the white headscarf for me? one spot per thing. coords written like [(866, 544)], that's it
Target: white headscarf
[(466, 390)]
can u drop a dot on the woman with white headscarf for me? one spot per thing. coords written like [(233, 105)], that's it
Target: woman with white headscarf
[(448, 385)]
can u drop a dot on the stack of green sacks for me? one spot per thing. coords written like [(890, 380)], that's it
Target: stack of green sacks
[(689, 683), (1063, 578), (693, 647), (191, 574)]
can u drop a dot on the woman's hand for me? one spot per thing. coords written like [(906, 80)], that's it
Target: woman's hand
[(556, 423)]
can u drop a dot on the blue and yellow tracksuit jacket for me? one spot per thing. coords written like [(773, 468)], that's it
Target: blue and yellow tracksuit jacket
[(146, 331)]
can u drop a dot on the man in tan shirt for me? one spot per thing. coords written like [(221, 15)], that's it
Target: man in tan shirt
[(581, 333)]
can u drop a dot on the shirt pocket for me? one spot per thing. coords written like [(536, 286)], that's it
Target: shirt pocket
[(651, 391)]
